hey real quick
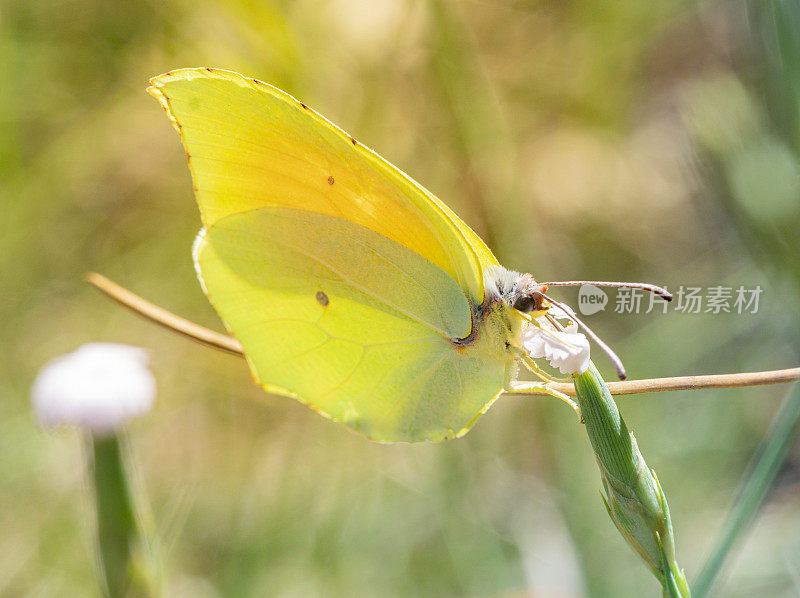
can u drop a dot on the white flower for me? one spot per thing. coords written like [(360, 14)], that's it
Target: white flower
[(567, 350), (99, 386)]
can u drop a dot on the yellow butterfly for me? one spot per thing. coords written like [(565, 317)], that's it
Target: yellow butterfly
[(350, 287)]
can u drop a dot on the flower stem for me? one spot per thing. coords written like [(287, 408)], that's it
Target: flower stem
[(228, 344), (633, 496), (126, 562)]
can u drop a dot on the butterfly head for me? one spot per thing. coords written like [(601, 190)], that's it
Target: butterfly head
[(518, 291)]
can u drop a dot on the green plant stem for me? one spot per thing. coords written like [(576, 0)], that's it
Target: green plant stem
[(757, 482), (633, 495), (126, 564)]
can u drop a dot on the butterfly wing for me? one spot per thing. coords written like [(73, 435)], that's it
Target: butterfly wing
[(354, 324), (250, 145)]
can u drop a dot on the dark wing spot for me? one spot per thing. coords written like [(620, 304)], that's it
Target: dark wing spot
[(188, 157), (209, 69), (322, 299), (303, 105), (330, 180), (353, 139)]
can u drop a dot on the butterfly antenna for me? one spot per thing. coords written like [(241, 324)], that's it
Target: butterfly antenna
[(615, 360), (651, 288)]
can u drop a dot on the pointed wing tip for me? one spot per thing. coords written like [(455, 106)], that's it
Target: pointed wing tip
[(156, 85), (157, 82), (207, 72)]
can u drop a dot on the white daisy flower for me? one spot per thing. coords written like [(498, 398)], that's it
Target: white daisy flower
[(98, 387)]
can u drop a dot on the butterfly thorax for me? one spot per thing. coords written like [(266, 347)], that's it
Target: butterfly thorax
[(497, 323)]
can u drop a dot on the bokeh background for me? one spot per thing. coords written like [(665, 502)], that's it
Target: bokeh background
[(617, 140)]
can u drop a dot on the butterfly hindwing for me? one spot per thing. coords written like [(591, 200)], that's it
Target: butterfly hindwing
[(348, 321)]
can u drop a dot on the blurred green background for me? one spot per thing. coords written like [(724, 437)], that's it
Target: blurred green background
[(614, 140)]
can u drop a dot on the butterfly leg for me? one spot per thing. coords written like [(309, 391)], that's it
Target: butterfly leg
[(534, 368), (512, 386)]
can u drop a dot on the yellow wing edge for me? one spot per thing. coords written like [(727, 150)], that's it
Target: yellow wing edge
[(480, 253), (282, 392)]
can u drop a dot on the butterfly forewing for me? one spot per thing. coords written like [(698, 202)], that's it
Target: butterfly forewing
[(251, 145)]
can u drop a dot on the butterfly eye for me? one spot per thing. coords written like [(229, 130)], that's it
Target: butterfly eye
[(524, 303)]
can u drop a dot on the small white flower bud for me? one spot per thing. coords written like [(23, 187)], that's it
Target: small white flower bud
[(98, 387)]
